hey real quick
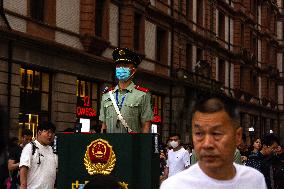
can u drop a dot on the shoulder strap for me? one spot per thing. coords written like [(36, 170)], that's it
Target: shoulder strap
[(107, 89), (118, 113), (146, 90), (34, 147)]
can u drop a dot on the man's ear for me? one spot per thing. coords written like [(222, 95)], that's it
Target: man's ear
[(239, 135)]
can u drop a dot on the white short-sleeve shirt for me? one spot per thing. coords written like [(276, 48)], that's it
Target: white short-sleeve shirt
[(177, 161), (195, 178), (42, 166)]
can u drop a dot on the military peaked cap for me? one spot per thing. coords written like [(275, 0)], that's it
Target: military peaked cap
[(125, 55)]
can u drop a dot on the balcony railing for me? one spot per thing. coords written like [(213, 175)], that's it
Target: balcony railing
[(200, 81), (211, 85)]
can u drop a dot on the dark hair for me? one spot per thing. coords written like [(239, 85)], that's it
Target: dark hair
[(214, 103), (256, 138), (103, 182), (269, 139), (175, 134), (27, 132), (47, 125)]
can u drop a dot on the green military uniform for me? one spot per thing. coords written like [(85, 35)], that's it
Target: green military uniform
[(135, 108)]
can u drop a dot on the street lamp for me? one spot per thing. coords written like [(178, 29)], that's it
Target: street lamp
[(251, 133)]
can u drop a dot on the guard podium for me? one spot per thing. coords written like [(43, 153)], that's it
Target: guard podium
[(137, 159)]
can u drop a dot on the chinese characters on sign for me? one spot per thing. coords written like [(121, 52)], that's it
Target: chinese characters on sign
[(86, 110)]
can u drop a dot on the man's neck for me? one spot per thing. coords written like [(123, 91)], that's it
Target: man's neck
[(42, 143), (124, 85), (225, 173), (177, 148)]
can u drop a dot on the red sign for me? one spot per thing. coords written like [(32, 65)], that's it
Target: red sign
[(157, 118), (86, 101), (85, 111)]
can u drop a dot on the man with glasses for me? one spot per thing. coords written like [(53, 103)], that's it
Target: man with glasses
[(38, 163), (178, 158), (262, 161)]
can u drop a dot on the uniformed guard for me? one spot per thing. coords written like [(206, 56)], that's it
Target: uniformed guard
[(127, 107)]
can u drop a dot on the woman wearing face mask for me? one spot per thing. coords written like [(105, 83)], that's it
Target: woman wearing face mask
[(178, 157), (133, 102)]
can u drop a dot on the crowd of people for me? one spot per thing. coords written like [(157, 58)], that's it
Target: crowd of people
[(219, 153), (266, 157)]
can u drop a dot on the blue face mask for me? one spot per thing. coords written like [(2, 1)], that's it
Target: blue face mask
[(122, 73)]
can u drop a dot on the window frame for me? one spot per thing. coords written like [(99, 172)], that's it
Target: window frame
[(221, 25), (189, 55), (42, 115), (99, 17), (161, 45), (137, 31), (222, 70)]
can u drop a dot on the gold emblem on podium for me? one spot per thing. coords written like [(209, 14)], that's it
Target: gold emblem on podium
[(121, 52), (99, 158)]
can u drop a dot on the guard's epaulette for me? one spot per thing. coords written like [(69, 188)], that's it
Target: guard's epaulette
[(107, 89), (141, 88)]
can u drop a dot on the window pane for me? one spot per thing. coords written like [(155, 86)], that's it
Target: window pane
[(189, 57), (22, 72), (95, 105), (29, 79), (77, 87), (45, 82), (36, 9), (87, 89), (44, 102), (36, 80), (34, 97), (82, 89), (95, 91), (99, 11), (136, 38)]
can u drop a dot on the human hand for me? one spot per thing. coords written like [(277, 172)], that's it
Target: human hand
[(23, 187), (244, 158)]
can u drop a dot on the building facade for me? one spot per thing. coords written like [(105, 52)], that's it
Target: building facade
[(55, 59)]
